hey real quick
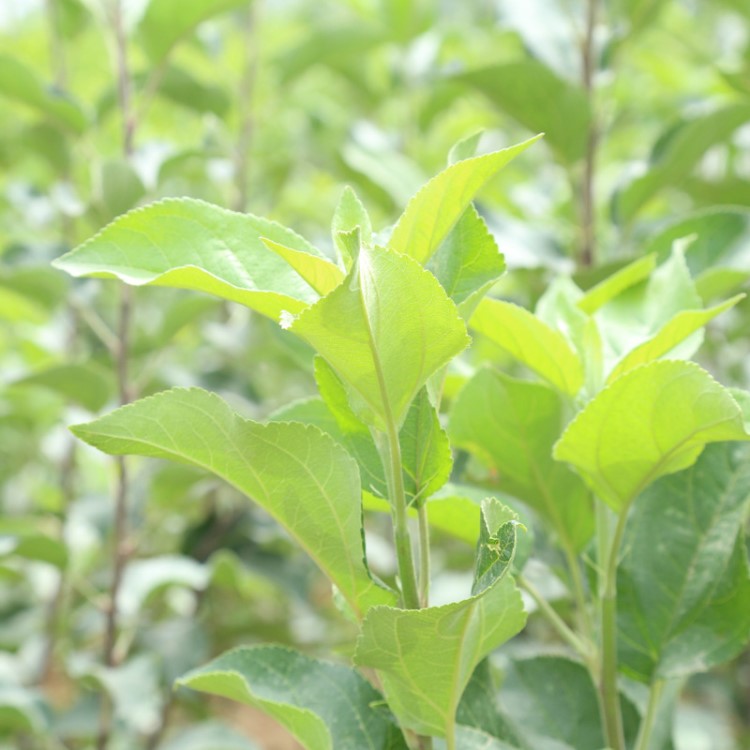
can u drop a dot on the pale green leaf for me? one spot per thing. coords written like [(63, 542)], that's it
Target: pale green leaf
[(695, 613), (434, 210), (652, 421), (325, 706), (296, 473), (322, 275), (87, 383), (350, 214), (467, 263), (618, 282), (535, 344), (165, 22), (181, 87), (425, 657), (20, 83), (466, 148), (496, 546), (534, 96), (512, 426), (685, 146), (670, 335), (121, 188), (385, 330), (190, 244)]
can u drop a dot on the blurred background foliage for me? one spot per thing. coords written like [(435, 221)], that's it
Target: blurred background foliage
[(272, 107)]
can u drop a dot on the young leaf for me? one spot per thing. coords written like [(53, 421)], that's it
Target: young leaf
[(350, 214), (534, 96), (617, 283), (296, 473), (541, 348), (467, 263), (696, 613), (496, 545), (426, 656), (322, 275), (466, 148), (385, 331), (512, 425), (165, 22), (325, 706), (434, 210), (670, 335), (190, 244), (652, 421)]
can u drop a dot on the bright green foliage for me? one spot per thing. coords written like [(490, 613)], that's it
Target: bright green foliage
[(617, 283), (21, 84), (308, 483), (695, 613), (167, 21), (322, 275), (468, 262), (427, 656), (325, 706), (350, 215), (534, 96), (190, 244), (385, 331), (512, 425), (541, 348), (652, 421), (435, 209)]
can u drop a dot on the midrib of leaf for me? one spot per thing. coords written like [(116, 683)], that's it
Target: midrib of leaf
[(210, 466)]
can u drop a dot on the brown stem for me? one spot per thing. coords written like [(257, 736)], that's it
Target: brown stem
[(588, 201)]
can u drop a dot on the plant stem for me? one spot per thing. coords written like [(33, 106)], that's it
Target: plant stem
[(647, 723), (581, 647), (609, 550), (588, 208), (401, 535), (424, 555)]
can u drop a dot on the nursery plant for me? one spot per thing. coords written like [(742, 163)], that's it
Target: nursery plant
[(584, 419)]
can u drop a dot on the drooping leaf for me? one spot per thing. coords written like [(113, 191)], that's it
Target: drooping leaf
[(670, 335), (190, 244), (385, 330), (434, 210), (676, 159), (652, 421), (87, 384), (165, 22), (296, 473), (512, 425), (21, 84), (467, 263), (541, 348), (325, 706), (533, 95), (426, 657), (695, 613)]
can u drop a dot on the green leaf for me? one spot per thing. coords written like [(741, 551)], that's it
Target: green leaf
[(695, 613), (554, 698), (466, 148), (670, 335), (165, 22), (322, 275), (325, 706), (469, 738), (618, 282), (121, 188), (434, 210), (652, 421), (468, 262), (384, 331), (496, 545), (23, 710), (190, 244), (425, 451), (538, 346), (680, 153), (181, 87), (532, 94), (512, 425), (208, 736), (350, 214), (21, 84), (296, 473), (87, 384), (426, 657)]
